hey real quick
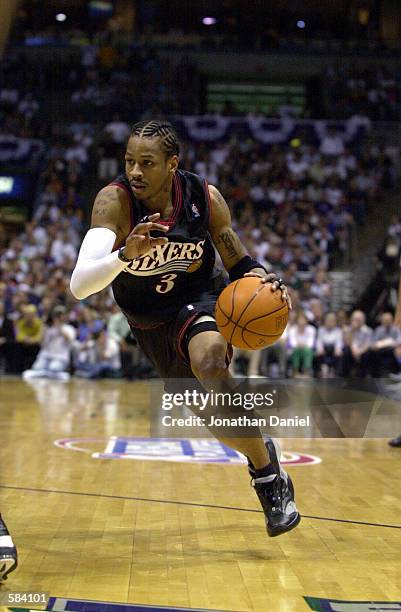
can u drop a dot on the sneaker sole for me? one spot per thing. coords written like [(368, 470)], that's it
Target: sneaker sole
[(273, 533)]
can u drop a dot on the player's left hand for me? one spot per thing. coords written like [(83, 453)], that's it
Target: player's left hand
[(276, 282)]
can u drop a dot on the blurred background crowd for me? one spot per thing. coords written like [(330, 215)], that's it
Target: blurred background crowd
[(311, 205)]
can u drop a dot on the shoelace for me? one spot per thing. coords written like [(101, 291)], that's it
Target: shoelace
[(274, 493), (277, 492)]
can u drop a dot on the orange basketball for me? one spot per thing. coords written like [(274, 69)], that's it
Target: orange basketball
[(250, 315)]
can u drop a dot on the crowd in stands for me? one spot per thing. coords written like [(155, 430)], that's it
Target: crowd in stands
[(290, 206), (374, 92), (104, 78), (105, 75), (51, 341), (294, 207), (328, 345), (94, 85)]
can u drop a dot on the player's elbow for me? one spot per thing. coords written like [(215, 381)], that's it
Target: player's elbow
[(78, 292), (78, 288)]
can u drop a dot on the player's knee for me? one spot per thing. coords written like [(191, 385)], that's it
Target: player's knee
[(210, 365)]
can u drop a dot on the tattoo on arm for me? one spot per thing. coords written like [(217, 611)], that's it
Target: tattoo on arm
[(100, 212), (220, 198), (106, 210), (227, 239), (101, 206)]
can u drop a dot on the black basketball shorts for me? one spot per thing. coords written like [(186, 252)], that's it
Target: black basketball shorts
[(166, 345)]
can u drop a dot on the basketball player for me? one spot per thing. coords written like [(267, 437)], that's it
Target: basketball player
[(8, 552), (151, 238)]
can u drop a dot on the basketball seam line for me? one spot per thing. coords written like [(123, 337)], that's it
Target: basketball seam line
[(232, 309), (232, 298), (242, 313), (243, 339), (250, 302), (224, 314), (250, 331)]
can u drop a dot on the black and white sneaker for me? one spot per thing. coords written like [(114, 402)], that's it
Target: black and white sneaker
[(276, 494), (396, 442), (8, 552)]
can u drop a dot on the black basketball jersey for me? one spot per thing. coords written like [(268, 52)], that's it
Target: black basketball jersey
[(155, 286)]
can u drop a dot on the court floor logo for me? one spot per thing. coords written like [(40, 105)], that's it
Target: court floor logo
[(170, 449), (335, 605), (61, 604)]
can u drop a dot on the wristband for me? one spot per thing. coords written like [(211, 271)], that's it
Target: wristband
[(122, 257), (246, 264)]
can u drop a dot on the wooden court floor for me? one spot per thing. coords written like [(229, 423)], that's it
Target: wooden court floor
[(157, 532)]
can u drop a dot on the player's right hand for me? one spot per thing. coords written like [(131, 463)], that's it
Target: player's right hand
[(139, 242)]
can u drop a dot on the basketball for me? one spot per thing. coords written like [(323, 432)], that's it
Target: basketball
[(249, 315)]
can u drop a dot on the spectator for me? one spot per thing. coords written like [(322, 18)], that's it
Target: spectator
[(329, 347), (386, 337), (9, 97), (321, 287), (333, 194), (108, 162), (315, 312), (342, 320), (53, 360), (292, 277), (6, 341), (28, 106), (297, 165), (301, 341), (331, 144), (88, 322), (29, 333), (388, 262), (357, 201), (394, 228), (357, 344), (118, 130), (253, 358), (62, 250), (132, 361), (277, 354), (99, 357)]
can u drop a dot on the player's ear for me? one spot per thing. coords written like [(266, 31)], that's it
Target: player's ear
[(173, 163)]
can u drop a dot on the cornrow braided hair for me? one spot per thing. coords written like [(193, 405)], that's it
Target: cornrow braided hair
[(158, 129)]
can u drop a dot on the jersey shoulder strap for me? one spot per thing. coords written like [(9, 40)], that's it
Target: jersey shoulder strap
[(196, 196)]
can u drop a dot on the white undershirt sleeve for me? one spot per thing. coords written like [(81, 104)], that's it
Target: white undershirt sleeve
[(96, 266)]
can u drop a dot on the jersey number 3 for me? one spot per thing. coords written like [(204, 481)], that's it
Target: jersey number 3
[(166, 283)]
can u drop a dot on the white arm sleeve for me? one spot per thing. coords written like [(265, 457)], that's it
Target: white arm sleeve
[(96, 266)]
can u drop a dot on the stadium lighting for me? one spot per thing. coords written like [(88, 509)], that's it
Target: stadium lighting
[(208, 21), (61, 17), (301, 24)]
